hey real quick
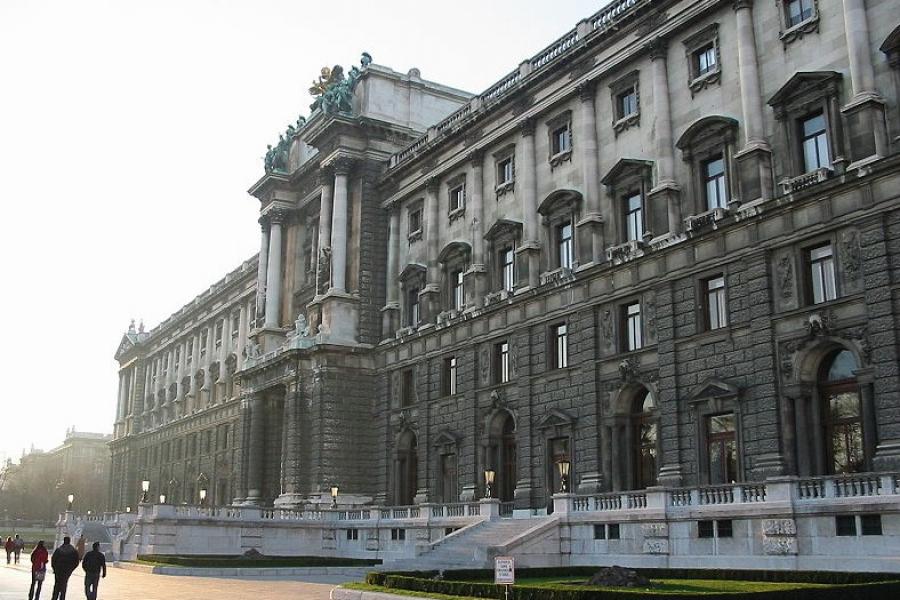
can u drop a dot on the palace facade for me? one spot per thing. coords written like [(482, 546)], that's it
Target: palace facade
[(664, 251)]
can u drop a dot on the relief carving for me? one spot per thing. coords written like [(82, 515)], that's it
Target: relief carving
[(780, 546), (785, 272), (650, 310), (851, 254), (606, 328), (779, 527), (484, 359)]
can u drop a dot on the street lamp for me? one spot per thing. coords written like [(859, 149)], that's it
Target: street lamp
[(564, 466), (145, 488), (71, 499), (334, 495), (128, 509), (202, 496), (489, 475), (162, 498)]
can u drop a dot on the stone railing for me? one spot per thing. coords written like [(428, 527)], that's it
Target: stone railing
[(847, 486), (598, 24), (806, 180)]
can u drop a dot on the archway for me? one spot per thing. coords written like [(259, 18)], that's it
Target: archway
[(644, 440), (842, 426), (501, 455), (406, 468)]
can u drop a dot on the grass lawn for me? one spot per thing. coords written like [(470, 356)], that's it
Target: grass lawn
[(365, 587)]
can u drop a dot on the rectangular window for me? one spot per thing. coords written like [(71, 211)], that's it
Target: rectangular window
[(505, 171), (448, 377), (815, 143), (599, 532), (235, 323), (870, 524), (177, 356), (565, 245), (189, 351), (634, 217), (561, 139), (412, 307), (204, 340), (634, 339), (560, 350), (353, 534), (458, 292), (705, 529), (415, 221), (705, 59), (724, 528), (626, 103), (821, 273), (716, 309), (721, 446), (501, 362), (457, 198), (407, 391), (845, 525), (612, 531), (220, 328), (799, 11), (398, 534), (507, 266), (714, 183)]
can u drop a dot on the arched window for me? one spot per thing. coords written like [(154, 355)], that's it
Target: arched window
[(646, 439), (406, 468), (839, 394), (502, 456)]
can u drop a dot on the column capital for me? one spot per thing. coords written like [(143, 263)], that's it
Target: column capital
[(658, 48), (278, 216), (587, 90), (739, 4), (343, 165), (526, 127), (476, 157), (263, 223), (325, 176), (432, 185)]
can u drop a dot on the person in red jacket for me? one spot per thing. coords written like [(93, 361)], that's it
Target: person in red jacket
[(39, 560), (10, 547)]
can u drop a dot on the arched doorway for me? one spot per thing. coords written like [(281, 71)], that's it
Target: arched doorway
[(501, 456), (842, 415), (406, 468), (644, 440)]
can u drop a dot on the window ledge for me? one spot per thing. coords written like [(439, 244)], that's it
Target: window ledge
[(632, 120), (557, 276), (705, 220), (560, 157), (503, 188), (801, 182), (497, 297), (701, 82), (414, 236), (622, 253), (457, 213), (796, 32)]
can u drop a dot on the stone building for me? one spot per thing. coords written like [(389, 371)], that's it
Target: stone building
[(660, 252)]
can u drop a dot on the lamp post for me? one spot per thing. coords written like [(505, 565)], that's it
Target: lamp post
[(128, 509), (71, 500), (334, 495), (203, 493), (162, 498), (489, 475), (564, 466), (145, 489)]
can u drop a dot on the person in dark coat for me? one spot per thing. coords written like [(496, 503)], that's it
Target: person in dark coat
[(94, 563), (64, 561), (39, 560), (9, 546)]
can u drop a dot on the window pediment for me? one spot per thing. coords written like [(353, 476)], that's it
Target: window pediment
[(713, 389), (803, 88), (556, 418), (504, 229), (455, 251), (560, 201), (445, 438), (626, 168), (412, 271), (713, 130)]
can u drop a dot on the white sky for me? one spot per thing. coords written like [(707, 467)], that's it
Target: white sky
[(129, 134)]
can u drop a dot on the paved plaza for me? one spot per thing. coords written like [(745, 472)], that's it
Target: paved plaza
[(121, 584)]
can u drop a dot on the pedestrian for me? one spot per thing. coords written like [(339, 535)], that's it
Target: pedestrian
[(79, 545), (93, 564), (38, 570), (20, 545), (64, 561), (9, 546)]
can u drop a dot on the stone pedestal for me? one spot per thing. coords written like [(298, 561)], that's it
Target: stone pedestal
[(591, 483), (429, 303), (590, 239), (390, 320), (663, 210), (563, 503), (474, 284), (490, 508), (339, 318), (269, 339), (528, 257), (866, 129), (754, 173)]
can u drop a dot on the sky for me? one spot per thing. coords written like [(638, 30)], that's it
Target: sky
[(129, 134)]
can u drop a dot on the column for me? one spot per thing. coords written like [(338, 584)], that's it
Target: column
[(242, 335), (120, 410), (817, 432), (255, 449), (866, 379), (291, 450), (529, 252), (606, 444), (591, 240), (391, 311), (475, 278), (261, 270), (273, 272), (665, 190), (339, 227), (617, 449), (755, 173), (323, 246), (430, 296), (865, 111)]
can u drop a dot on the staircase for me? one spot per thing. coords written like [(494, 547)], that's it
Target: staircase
[(468, 548)]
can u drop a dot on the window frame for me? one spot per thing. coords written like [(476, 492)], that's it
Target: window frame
[(500, 363), (812, 264), (791, 31), (626, 85), (449, 376), (706, 40), (559, 346), (803, 138), (560, 128), (456, 194), (407, 387), (722, 318), (565, 246), (632, 339), (415, 215)]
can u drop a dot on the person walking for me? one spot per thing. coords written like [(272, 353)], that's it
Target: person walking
[(9, 546), (38, 570), (93, 564), (20, 545), (64, 561)]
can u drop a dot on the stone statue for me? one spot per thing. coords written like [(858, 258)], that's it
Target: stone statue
[(301, 326), (366, 60), (333, 92), (251, 350)]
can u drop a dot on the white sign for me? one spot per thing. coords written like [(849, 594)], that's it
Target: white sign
[(504, 570)]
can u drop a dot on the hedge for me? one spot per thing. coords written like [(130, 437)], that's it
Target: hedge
[(848, 586), (218, 561)]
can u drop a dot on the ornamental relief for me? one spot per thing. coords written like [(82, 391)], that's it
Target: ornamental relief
[(850, 256), (606, 329), (784, 271), (819, 326)]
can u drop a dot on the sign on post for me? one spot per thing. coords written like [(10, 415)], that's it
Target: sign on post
[(504, 570)]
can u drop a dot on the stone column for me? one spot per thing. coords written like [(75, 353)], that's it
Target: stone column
[(529, 253), (323, 262), (339, 227), (664, 209), (429, 304), (754, 160), (816, 432), (866, 379), (391, 310), (801, 422), (243, 329), (261, 271), (256, 449), (590, 228), (617, 449), (242, 433), (475, 278), (865, 111), (273, 273), (607, 461)]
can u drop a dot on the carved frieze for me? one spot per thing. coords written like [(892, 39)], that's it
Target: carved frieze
[(850, 255), (606, 328), (784, 269)]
